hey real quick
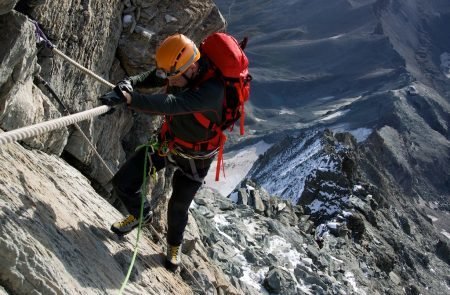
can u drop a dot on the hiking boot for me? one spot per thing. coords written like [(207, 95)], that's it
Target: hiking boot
[(129, 223), (173, 257)]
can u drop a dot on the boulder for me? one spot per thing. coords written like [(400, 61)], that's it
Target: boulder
[(443, 250), (242, 196), (279, 281), (256, 201)]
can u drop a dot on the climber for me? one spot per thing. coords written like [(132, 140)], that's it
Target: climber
[(190, 90)]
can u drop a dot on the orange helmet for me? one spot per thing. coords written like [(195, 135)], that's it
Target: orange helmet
[(174, 56)]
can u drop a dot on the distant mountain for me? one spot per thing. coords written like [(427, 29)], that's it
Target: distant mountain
[(355, 66), (310, 59)]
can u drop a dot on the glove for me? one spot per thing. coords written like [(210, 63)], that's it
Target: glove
[(116, 96), (113, 98)]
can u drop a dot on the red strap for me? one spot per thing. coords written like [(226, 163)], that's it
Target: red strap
[(203, 120), (242, 119), (212, 144), (223, 138)]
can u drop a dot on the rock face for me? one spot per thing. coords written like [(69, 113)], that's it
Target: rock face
[(144, 27), (54, 235), (21, 102)]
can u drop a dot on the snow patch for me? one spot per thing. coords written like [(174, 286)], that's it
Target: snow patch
[(361, 134), (352, 281), (357, 187), (325, 98), (286, 175), (445, 64), (170, 19), (336, 37), (334, 115), (221, 220), (127, 19), (259, 120), (255, 279), (335, 259), (237, 164), (433, 218), (234, 197), (285, 253), (286, 112), (317, 206), (446, 234)]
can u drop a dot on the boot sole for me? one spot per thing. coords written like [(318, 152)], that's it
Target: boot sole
[(122, 233), (170, 266)]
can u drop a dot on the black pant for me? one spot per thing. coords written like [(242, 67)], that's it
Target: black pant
[(128, 183)]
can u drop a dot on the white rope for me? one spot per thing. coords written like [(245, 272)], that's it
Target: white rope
[(33, 130), (83, 69)]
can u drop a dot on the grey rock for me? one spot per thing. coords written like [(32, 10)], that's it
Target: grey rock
[(225, 204), (251, 256), (385, 261), (395, 278), (200, 200), (170, 19), (301, 272), (316, 281), (443, 250), (21, 102), (243, 197), (7, 5), (278, 281), (136, 51), (317, 289), (313, 253), (256, 202)]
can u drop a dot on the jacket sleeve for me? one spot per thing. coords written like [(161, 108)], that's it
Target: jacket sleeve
[(207, 98), (147, 80)]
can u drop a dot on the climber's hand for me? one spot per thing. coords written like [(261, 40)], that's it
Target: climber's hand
[(113, 98)]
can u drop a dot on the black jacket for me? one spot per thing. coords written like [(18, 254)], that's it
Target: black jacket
[(206, 98)]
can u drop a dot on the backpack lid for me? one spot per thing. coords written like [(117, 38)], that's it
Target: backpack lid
[(226, 54)]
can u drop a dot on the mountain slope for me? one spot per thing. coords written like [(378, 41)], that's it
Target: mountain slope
[(331, 175), (54, 234)]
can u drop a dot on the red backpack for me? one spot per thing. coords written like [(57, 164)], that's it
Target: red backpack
[(227, 58)]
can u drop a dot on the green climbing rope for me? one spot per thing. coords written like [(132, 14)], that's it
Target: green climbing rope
[(141, 213), (153, 145)]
